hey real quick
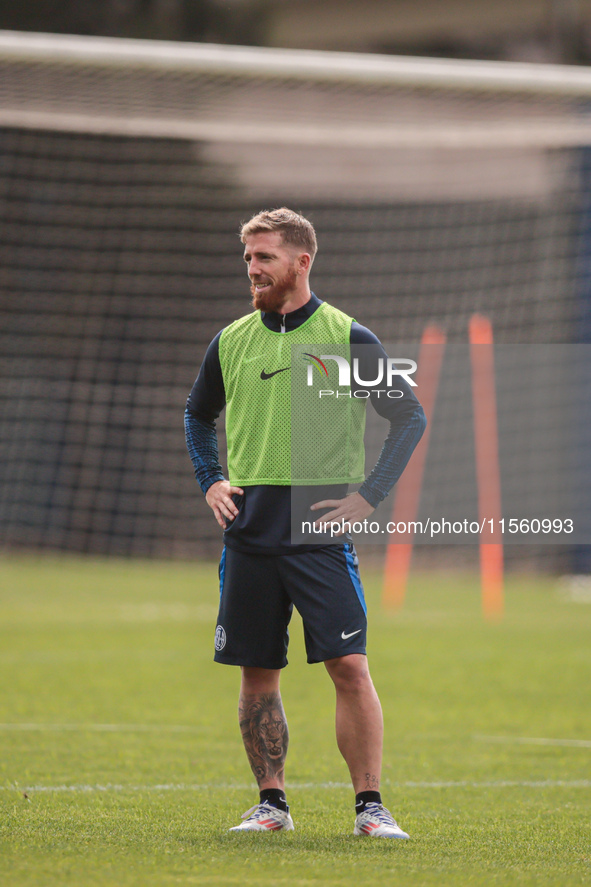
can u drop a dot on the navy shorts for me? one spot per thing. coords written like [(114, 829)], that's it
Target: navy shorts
[(258, 593)]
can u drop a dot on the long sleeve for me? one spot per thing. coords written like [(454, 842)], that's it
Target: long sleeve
[(406, 417), (396, 452), (204, 404), (202, 444)]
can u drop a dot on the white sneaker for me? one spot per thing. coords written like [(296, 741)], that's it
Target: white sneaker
[(264, 818), (377, 822)]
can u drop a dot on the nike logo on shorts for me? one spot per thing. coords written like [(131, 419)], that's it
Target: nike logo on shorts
[(265, 375), (350, 635)]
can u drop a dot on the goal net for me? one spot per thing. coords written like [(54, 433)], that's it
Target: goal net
[(438, 189)]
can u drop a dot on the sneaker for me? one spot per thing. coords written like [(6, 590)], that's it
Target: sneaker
[(264, 818), (377, 822)]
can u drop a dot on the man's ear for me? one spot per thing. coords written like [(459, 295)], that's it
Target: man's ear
[(304, 262)]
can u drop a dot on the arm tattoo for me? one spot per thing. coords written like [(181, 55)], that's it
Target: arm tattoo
[(265, 735)]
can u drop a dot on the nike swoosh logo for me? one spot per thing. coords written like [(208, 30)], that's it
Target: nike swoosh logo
[(350, 635), (265, 375)]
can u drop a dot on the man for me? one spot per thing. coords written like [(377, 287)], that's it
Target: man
[(262, 573)]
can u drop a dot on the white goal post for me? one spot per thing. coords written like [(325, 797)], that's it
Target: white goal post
[(54, 82), (246, 61)]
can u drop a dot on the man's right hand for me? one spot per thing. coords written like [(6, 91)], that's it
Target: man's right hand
[(219, 499)]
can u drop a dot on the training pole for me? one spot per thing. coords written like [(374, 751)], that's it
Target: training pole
[(408, 488), (488, 475)]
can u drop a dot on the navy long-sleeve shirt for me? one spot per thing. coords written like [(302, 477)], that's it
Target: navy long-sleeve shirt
[(264, 521)]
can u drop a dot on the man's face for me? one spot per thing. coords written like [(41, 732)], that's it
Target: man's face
[(272, 270)]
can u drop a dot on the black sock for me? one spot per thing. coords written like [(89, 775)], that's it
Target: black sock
[(364, 798), (275, 797)]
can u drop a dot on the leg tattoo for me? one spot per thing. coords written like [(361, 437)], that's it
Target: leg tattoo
[(265, 735), (372, 782)]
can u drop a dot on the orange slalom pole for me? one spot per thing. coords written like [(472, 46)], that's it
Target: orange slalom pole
[(488, 475), (408, 488)]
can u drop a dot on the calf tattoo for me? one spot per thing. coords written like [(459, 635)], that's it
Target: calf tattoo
[(265, 735)]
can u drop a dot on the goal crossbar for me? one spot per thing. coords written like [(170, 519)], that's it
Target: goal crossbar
[(314, 65)]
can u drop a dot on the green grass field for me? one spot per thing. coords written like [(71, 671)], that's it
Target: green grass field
[(122, 763)]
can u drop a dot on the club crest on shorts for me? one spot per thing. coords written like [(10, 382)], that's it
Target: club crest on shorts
[(220, 638)]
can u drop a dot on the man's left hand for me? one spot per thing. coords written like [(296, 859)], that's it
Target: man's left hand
[(350, 509)]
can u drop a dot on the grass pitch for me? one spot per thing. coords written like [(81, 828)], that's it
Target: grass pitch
[(122, 763)]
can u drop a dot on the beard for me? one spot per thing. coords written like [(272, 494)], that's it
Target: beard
[(275, 297)]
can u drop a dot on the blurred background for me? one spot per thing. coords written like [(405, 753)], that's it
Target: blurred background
[(438, 187)]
